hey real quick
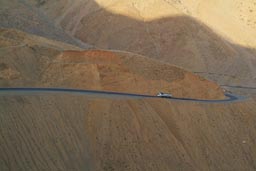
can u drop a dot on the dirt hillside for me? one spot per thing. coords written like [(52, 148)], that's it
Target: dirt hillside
[(67, 132), (229, 18), (33, 61), (22, 15), (205, 37), (140, 47)]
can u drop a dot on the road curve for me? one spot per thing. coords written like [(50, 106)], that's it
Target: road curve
[(10, 91)]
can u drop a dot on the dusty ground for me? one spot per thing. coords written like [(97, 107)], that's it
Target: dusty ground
[(73, 132), (30, 61), (22, 15), (212, 38), (66, 132), (229, 18)]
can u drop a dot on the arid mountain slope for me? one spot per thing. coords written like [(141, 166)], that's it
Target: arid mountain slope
[(31, 61), (213, 42), (100, 132), (68, 132), (229, 18), (22, 15)]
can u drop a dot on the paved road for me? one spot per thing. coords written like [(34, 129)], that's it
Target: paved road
[(241, 87), (11, 91)]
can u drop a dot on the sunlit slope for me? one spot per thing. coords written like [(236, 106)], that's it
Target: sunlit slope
[(202, 36), (139, 9), (127, 72), (67, 132), (234, 19), (31, 61), (229, 18)]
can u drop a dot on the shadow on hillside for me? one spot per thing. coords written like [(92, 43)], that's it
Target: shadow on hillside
[(178, 40), (20, 14)]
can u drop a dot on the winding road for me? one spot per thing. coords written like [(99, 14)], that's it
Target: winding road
[(15, 91)]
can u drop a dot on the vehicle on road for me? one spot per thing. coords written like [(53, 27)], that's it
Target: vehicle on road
[(164, 95)]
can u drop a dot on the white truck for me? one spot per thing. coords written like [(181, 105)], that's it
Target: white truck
[(164, 95)]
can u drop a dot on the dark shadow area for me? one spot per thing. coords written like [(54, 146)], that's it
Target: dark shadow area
[(178, 40), (22, 15)]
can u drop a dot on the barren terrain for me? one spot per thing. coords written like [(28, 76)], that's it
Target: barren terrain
[(212, 33), (22, 15), (44, 63), (187, 48), (68, 132)]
